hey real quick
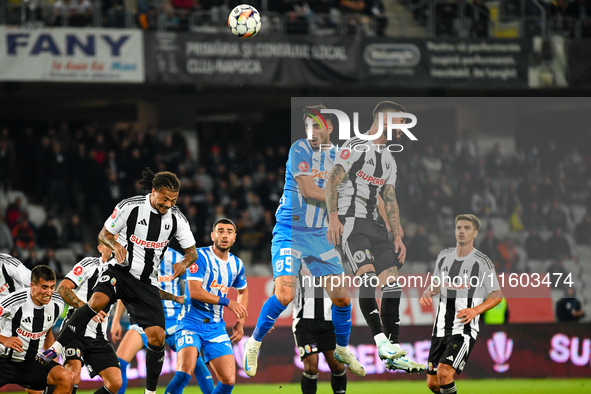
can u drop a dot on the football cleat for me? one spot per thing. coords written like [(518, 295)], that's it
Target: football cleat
[(388, 351), (46, 356), (250, 358), (405, 364), (344, 356)]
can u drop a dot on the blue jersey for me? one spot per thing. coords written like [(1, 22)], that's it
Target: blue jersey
[(165, 282), (217, 276), (294, 210)]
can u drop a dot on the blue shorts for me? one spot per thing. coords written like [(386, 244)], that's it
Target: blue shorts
[(293, 244), (170, 333), (211, 339)]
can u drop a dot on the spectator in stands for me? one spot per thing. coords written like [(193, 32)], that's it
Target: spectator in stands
[(508, 258), (581, 9), (494, 161), (533, 218), (483, 202), (73, 232), (447, 161), (558, 273), (23, 234), (583, 231), (6, 241), (32, 260), (556, 218), (488, 245), (81, 14), (14, 213), (557, 9), (535, 247), (6, 165), (461, 200), (510, 200), (568, 308), (516, 220), (47, 235), (63, 10), (169, 20), (419, 248), (480, 16), (557, 246), (431, 162), (52, 262)]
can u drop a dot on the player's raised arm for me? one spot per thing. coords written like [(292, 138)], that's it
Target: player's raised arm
[(335, 227), (109, 240), (188, 259), (388, 194), (66, 291)]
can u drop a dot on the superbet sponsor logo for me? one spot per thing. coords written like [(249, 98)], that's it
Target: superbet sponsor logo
[(148, 244), (216, 285), (4, 287), (78, 270), (114, 214), (345, 154), (1, 310), (370, 179), (574, 349), (27, 334), (193, 268), (320, 174)]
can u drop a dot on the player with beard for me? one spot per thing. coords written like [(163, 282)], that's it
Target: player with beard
[(363, 172), (200, 326)]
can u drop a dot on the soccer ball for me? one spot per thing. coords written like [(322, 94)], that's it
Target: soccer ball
[(244, 21)]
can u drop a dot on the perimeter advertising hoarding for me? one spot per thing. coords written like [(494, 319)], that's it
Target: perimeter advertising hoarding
[(71, 55)]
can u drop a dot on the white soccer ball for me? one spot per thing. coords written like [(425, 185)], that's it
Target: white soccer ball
[(244, 21)]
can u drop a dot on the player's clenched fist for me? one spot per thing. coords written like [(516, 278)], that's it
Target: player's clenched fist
[(238, 309)]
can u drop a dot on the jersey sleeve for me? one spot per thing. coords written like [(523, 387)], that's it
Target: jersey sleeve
[(198, 269), (80, 272), (240, 281), (437, 271), (489, 275), (118, 219), (300, 159), (183, 233), (393, 171), (20, 274), (346, 156)]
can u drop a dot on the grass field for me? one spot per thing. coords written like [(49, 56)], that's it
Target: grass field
[(500, 386)]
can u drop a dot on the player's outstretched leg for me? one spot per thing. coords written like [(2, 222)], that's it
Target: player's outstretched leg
[(204, 379), (272, 308), (371, 313), (390, 314), (154, 356)]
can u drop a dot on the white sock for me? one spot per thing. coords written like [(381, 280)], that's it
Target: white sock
[(149, 392), (254, 342), (381, 337), (342, 348), (58, 347)]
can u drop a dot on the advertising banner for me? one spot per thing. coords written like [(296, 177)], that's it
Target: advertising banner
[(224, 59), (71, 55), (445, 62)]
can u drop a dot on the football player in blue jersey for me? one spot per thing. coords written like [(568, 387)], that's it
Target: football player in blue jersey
[(200, 327), (300, 234), (135, 338)]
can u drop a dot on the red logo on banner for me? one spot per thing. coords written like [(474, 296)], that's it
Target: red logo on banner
[(345, 154), (1, 310), (114, 214), (193, 268), (303, 166), (78, 271)]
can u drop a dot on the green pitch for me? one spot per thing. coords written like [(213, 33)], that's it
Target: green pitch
[(500, 386)]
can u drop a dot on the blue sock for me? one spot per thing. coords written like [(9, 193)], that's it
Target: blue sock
[(178, 383), (221, 388), (269, 313), (123, 365), (341, 320), (203, 376)]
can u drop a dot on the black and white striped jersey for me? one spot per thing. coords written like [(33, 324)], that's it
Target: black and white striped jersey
[(368, 169), (311, 301), (13, 275), (465, 283), (20, 317), (146, 233), (85, 275)]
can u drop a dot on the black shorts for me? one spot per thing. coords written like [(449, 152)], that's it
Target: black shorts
[(314, 336), (96, 354), (28, 374), (141, 299), (366, 242), (453, 350)]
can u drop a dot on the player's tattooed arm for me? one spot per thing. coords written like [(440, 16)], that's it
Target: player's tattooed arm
[(391, 207), (110, 241), (165, 295), (66, 291), (190, 256), (337, 175)]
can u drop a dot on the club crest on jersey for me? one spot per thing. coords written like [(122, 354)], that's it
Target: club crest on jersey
[(345, 154), (78, 270), (193, 268), (104, 278), (114, 214), (167, 226), (303, 166), (359, 256)]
